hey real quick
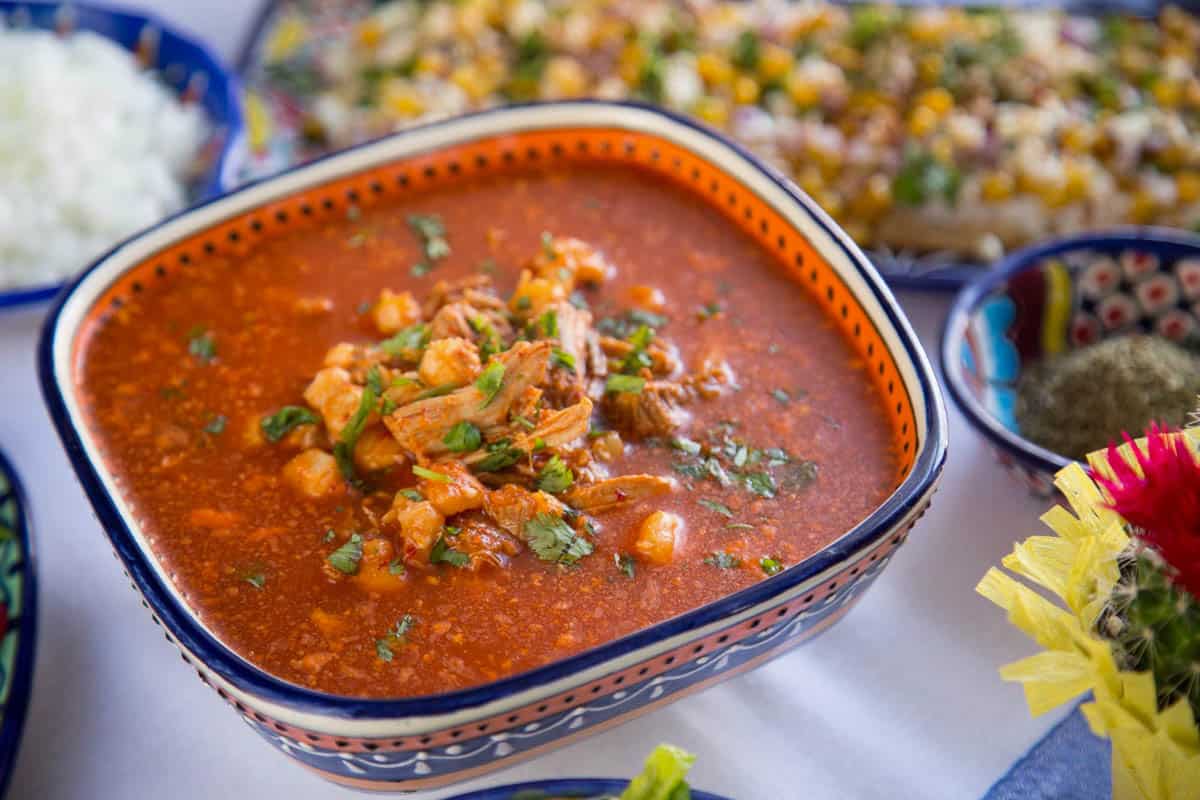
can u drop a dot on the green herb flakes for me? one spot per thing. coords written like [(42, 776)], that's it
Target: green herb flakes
[(501, 455), (632, 384), (463, 438), (343, 450), (722, 560), (413, 494), (713, 505), (490, 381), (783, 397), (216, 425), (256, 579), (626, 564), (561, 358), (396, 567), (407, 343), (397, 636), (553, 540), (202, 345), (443, 553), (430, 475), (555, 476), (346, 558), (770, 565), (279, 424), (433, 237)]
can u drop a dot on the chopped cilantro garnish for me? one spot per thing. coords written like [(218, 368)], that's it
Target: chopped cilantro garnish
[(396, 567), (709, 310), (722, 560), (490, 343), (923, 178), (430, 475), (374, 380), (548, 323), (408, 342), (463, 437), (256, 579), (343, 450), (433, 237), (345, 559), (442, 553), (383, 650), (329, 535), (396, 637), (555, 476), (746, 51), (519, 420), (490, 381), (625, 563), (561, 358), (387, 407), (579, 300), (713, 505), (216, 425), (624, 383), (363, 307), (552, 539), (438, 391), (625, 324), (279, 424), (202, 345), (501, 455), (420, 269), (412, 494), (761, 483), (548, 244), (524, 303), (686, 445), (782, 396), (770, 565)]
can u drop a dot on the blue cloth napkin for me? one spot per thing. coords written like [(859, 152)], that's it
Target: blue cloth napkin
[(1069, 763)]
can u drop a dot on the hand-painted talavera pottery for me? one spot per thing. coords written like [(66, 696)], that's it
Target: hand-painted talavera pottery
[(18, 616), (185, 65), (424, 742), (1046, 300)]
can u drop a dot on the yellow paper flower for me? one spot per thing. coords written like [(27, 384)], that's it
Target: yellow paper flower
[(1155, 754)]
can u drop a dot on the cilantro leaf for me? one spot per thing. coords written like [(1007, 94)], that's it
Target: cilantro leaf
[(412, 494), (561, 358), (442, 553), (625, 563), (782, 396), (256, 579), (553, 540), (713, 505), (490, 381), (216, 425), (632, 384), (770, 565), (374, 380), (430, 475), (722, 560), (555, 476), (463, 437), (343, 450), (202, 345), (396, 567), (501, 455), (345, 559), (407, 342)]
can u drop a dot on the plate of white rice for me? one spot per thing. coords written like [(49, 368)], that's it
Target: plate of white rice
[(105, 130)]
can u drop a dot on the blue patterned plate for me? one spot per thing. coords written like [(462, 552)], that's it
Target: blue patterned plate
[(582, 788), (185, 65), (18, 616)]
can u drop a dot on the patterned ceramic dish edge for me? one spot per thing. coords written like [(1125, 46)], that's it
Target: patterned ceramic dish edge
[(1064, 294), (188, 66), (431, 741), (582, 788), (18, 616)]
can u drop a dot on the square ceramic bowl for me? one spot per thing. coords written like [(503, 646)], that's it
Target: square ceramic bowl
[(1062, 295), (430, 741)]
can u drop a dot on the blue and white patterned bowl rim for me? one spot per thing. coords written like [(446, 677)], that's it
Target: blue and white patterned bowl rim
[(13, 711), (582, 788), (967, 303), (368, 718), (223, 173)]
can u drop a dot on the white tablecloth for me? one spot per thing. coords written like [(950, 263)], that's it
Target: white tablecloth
[(900, 700)]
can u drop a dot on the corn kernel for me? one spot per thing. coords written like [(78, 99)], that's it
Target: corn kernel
[(1167, 93), (401, 99), (859, 231), (369, 32), (805, 93), (1144, 206), (471, 80), (564, 77), (609, 32), (1079, 181), (470, 20), (774, 61), (811, 180), (831, 201), (1187, 186), (922, 121), (1078, 139), (996, 187), (938, 100), (745, 90), (845, 56), (929, 68), (431, 62), (713, 110), (629, 66), (942, 149), (715, 69), (874, 199)]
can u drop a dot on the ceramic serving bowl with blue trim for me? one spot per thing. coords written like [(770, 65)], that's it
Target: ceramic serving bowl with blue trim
[(184, 64), (18, 616), (1043, 301), (430, 741), (573, 788)]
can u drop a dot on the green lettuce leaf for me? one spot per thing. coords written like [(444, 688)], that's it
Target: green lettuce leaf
[(663, 776)]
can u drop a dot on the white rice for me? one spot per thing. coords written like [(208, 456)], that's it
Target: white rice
[(92, 149)]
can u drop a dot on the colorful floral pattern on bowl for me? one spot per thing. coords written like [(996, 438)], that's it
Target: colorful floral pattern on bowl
[(581, 788), (187, 66), (18, 616), (425, 742), (1062, 295)]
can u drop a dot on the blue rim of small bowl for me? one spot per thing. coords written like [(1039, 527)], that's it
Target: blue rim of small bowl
[(915, 487), (968, 300), (222, 172), (13, 711), (581, 788)]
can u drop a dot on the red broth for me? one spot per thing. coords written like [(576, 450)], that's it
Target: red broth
[(250, 555)]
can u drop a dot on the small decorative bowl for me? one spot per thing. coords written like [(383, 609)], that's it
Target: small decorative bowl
[(18, 616), (581, 788), (187, 66), (430, 741), (1065, 294)]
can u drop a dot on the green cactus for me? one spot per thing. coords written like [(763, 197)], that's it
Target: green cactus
[(1154, 626)]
